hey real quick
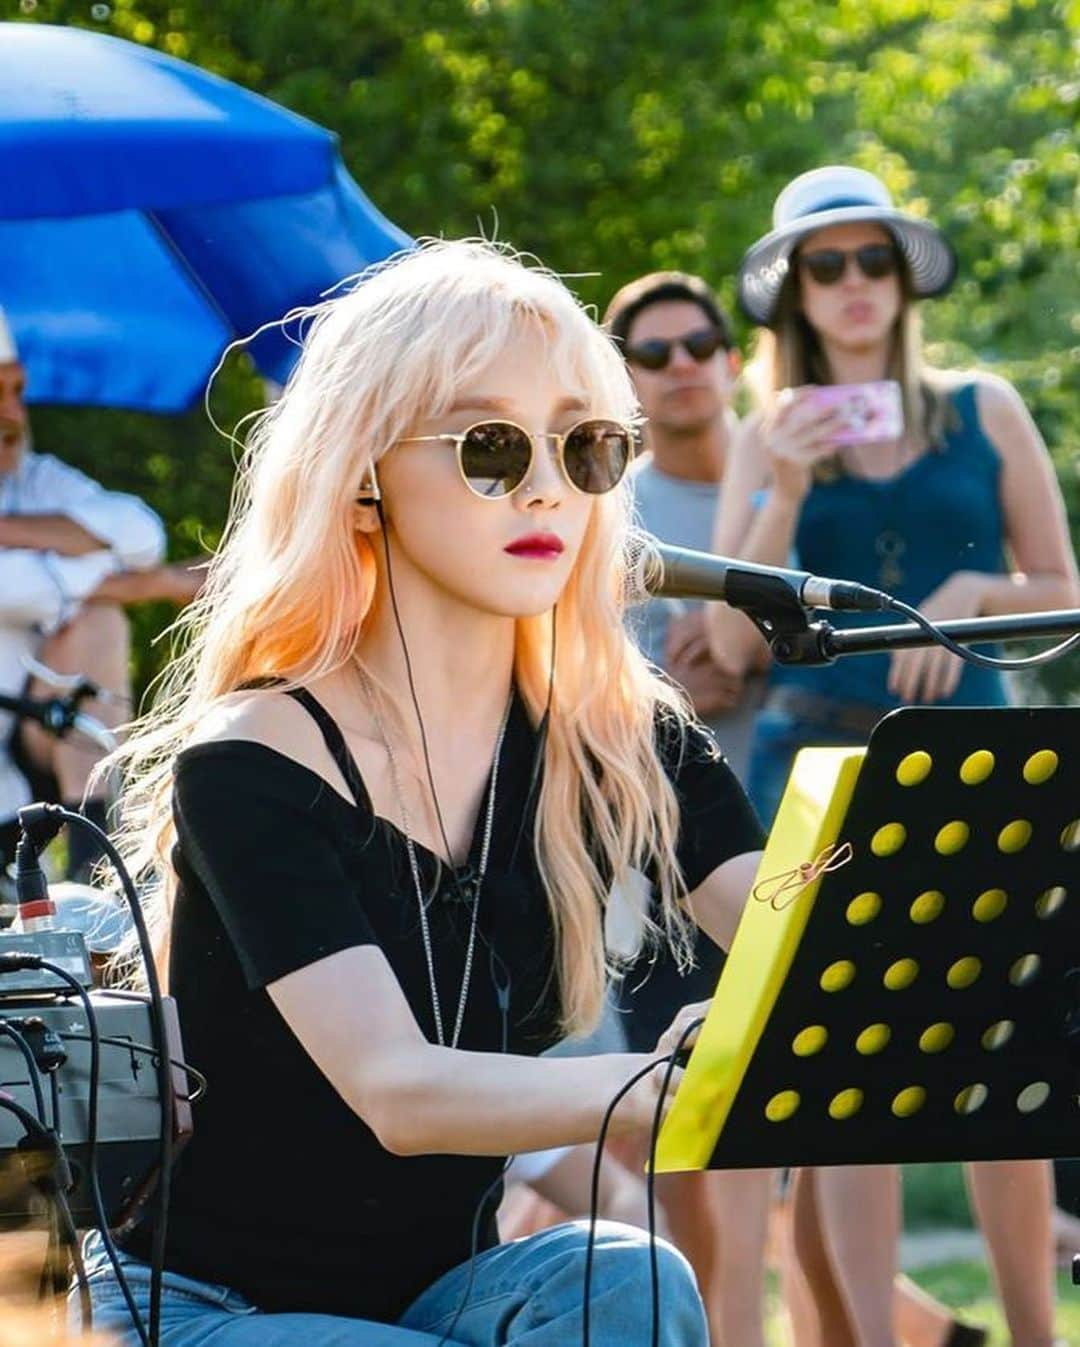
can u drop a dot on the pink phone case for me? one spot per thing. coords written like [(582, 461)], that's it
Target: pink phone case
[(870, 413)]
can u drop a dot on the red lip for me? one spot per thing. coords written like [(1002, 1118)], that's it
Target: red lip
[(541, 545)]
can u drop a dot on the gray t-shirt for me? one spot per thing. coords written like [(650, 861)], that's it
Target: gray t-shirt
[(681, 512)]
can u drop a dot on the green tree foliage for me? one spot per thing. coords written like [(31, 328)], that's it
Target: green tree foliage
[(610, 138)]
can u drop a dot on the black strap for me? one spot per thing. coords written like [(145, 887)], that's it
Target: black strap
[(335, 743)]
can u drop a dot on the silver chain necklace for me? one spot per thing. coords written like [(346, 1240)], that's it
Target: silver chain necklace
[(414, 866)]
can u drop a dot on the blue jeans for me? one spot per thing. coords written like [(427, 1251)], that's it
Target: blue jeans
[(527, 1293)]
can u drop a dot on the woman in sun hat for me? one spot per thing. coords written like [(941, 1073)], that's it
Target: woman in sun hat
[(929, 514)]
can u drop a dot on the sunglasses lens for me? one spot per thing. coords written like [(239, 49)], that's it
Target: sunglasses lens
[(703, 344), (495, 457), (826, 266), (876, 260), (596, 454), (653, 354)]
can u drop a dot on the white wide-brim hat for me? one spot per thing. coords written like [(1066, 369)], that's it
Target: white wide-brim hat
[(837, 195)]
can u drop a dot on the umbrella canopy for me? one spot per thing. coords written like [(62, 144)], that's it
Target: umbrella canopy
[(150, 213)]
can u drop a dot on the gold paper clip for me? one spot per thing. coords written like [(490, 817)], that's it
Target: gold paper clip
[(792, 882)]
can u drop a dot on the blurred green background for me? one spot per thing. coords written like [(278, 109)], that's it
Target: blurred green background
[(611, 137)]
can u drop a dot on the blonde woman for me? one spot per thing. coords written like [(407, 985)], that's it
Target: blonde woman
[(959, 514), (405, 756)]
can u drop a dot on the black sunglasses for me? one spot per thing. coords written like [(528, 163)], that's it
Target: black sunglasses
[(874, 260), (495, 457), (655, 353)]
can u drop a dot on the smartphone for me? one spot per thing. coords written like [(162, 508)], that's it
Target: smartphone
[(868, 413)]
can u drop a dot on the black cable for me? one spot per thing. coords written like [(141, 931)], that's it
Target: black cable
[(974, 656), (7, 1028), (14, 962), (27, 818), (70, 1237), (474, 1250), (650, 1178), (93, 1178), (61, 1225), (541, 745), (148, 1050), (672, 1061), (54, 1103), (455, 880), (594, 1191), (47, 1275)]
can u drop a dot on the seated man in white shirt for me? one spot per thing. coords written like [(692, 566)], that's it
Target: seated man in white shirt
[(71, 556)]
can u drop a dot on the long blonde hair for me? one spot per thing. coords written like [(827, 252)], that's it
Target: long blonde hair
[(788, 354), (289, 589)]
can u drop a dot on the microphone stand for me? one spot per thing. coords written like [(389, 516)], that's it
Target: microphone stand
[(794, 637)]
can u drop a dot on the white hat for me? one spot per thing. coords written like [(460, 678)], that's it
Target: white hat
[(8, 350), (835, 195)]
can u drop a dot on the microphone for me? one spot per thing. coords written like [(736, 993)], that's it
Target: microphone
[(658, 570)]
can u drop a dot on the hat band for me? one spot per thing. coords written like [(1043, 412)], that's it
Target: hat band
[(840, 203)]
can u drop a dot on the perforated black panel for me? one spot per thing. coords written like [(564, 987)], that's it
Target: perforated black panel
[(975, 1059)]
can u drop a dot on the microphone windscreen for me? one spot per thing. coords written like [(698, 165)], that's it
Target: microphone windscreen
[(644, 571)]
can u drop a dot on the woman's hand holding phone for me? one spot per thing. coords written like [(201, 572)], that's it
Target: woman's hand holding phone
[(814, 422), (796, 434)]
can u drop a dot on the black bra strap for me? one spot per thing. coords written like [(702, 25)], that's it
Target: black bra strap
[(335, 743)]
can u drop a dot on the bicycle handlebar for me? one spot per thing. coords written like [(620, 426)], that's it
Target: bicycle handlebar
[(58, 716)]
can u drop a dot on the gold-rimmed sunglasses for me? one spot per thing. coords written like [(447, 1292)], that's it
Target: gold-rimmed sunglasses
[(495, 457)]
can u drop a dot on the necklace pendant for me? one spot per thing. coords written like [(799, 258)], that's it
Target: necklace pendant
[(463, 886), (890, 547)]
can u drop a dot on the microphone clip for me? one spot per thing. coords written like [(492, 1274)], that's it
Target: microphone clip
[(774, 608)]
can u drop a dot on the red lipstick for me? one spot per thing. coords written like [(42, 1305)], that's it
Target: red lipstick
[(541, 546)]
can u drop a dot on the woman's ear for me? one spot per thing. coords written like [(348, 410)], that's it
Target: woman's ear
[(365, 517), (366, 504)]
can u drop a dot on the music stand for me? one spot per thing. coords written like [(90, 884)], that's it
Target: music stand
[(915, 1003)]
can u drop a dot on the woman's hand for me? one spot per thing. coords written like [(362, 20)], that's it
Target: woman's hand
[(796, 434), (689, 661), (636, 1111), (669, 1040), (932, 673)]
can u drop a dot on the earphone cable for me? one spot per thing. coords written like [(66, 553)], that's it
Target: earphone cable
[(594, 1190), (455, 879)]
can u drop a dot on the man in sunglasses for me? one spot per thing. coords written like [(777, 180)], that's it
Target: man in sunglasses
[(680, 349), (681, 353)]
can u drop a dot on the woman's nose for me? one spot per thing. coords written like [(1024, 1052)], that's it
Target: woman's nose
[(544, 484)]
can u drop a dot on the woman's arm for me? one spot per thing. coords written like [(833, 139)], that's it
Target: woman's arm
[(1036, 535), (350, 1015), (717, 903), (735, 644), (1036, 526)]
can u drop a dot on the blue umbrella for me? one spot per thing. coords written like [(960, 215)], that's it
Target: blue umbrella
[(151, 212)]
